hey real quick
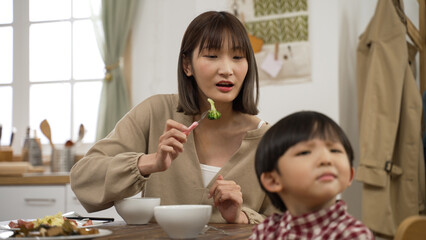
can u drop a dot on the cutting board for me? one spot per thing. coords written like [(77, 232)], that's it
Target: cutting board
[(18, 168), (6, 154)]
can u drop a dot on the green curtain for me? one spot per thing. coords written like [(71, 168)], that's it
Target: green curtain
[(113, 26)]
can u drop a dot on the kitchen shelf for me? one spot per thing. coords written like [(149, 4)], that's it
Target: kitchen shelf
[(36, 179)]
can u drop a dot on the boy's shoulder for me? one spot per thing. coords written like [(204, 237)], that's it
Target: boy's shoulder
[(269, 227), (353, 228), (332, 223)]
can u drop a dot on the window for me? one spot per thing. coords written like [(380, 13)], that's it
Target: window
[(50, 68)]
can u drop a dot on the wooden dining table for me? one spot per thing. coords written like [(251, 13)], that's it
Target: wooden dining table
[(120, 230)]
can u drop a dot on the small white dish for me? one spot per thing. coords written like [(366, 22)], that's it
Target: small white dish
[(136, 211)]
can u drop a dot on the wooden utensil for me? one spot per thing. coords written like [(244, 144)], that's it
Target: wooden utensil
[(80, 133), (45, 129)]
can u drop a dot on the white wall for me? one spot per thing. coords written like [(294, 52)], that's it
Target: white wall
[(334, 28), (156, 39), (321, 94)]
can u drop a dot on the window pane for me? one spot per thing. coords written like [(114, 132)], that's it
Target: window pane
[(51, 102), (87, 61), (81, 8), (6, 58), (6, 11), (42, 10), (6, 113), (86, 103), (95, 6), (50, 51)]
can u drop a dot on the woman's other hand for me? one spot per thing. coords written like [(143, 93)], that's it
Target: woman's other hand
[(228, 199), (170, 145)]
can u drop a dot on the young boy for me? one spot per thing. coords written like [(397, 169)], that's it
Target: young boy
[(303, 162)]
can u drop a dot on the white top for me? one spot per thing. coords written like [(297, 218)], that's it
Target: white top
[(260, 124), (209, 172)]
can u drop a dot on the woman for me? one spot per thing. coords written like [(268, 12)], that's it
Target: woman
[(151, 150)]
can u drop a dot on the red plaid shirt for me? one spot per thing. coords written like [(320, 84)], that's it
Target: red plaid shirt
[(331, 223)]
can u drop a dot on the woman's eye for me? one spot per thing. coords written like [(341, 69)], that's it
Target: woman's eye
[(238, 57), (301, 153), (210, 56)]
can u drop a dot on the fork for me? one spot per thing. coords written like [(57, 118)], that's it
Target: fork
[(208, 227), (196, 123)]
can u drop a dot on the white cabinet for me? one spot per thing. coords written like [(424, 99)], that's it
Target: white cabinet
[(27, 202), (72, 204), (37, 201)]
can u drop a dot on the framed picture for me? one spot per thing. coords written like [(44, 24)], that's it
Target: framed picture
[(279, 33)]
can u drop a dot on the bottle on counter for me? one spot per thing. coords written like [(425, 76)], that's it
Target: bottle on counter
[(26, 145), (35, 156)]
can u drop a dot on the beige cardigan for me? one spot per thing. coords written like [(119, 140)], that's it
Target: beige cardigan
[(108, 172)]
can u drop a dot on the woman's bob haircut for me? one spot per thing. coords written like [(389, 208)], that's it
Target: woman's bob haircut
[(209, 30)]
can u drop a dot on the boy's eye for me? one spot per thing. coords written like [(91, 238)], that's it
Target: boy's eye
[(336, 150)]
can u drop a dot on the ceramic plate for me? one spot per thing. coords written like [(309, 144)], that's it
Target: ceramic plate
[(102, 232), (4, 225), (5, 232)]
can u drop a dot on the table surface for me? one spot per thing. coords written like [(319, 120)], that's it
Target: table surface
[(153, 231)]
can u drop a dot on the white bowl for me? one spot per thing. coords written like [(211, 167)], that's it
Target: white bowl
[(136, 210), (182, 221)]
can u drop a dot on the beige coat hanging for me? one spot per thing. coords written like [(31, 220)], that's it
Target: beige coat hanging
[(390, 109)]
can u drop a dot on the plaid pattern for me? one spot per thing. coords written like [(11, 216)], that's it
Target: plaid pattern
[(331, 223)]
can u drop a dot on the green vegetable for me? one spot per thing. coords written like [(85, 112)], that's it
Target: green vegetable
[(213, 113)]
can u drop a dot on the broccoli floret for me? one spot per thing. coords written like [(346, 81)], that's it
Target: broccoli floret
[(213, 113)]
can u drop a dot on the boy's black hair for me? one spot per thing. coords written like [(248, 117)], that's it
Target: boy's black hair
[(297, 127)]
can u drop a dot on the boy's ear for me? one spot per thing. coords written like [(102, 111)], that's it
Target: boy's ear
[(351, 178), (187, 68), (271, 181)]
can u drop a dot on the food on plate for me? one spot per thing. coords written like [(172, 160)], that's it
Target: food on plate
[(49, 226), (53, 220), (213, 113)]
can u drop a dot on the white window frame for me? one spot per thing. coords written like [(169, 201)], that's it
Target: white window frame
[(21, 83)]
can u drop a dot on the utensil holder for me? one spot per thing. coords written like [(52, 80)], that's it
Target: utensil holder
[(62, 159)]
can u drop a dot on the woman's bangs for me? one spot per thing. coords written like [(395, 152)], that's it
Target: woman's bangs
[(214, 37)]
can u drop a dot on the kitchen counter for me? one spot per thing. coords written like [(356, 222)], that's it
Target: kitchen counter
[(35, 195), (36, 179)]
